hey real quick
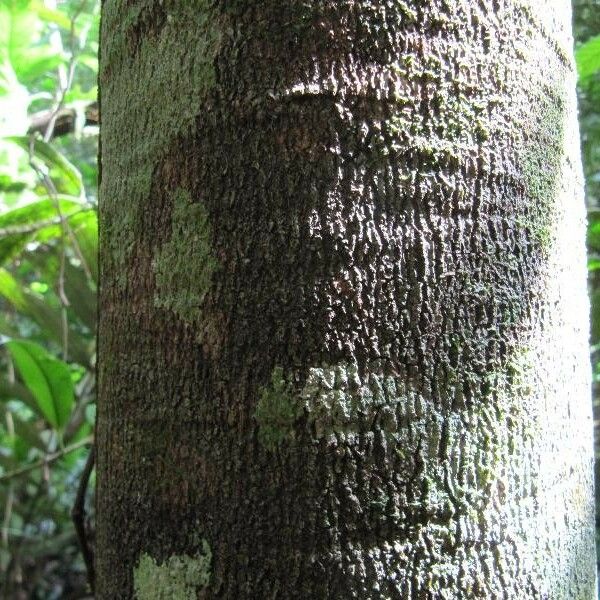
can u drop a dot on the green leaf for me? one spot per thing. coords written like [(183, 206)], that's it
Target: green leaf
[(90, 61), (55, 17), (47, 317), (67, 177), (48, 379), (33, 221), (78, 94), (587, 57), (19, 30), (11, 290), (593, 264), (9, 184), (38, 62)]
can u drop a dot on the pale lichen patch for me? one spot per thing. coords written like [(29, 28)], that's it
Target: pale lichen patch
[(336, 398), (179, 577)]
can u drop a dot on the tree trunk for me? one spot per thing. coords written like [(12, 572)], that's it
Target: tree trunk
[(343, 328)]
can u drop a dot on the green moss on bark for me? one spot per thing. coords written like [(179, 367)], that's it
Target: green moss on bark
[(184, 265), (276, 412), (152, 105), (542, 166)]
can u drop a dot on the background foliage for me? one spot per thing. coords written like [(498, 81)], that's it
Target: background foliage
[(49, 276), (48, 281)]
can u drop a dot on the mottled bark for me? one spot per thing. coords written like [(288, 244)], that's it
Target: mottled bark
[(343, 324)]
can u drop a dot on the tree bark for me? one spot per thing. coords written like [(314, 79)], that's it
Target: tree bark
[(343, 326)]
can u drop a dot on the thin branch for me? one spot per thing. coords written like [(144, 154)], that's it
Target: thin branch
[(33, 227), (52, 192), (65, 121), (48, 134), (47, 460), (66, 86), (10, 429)]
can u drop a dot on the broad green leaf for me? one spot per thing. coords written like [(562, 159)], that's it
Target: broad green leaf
[(588, 58), (48, 379), (90, 61), (67, 177), (33, 221), (20, 30), (84, 228), (47, 317), (11, 291), (78, 94), (38, 62)]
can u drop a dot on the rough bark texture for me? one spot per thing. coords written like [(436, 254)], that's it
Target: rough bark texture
[(343, 321)]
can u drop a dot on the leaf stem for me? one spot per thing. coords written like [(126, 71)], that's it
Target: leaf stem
[(48, 459)]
